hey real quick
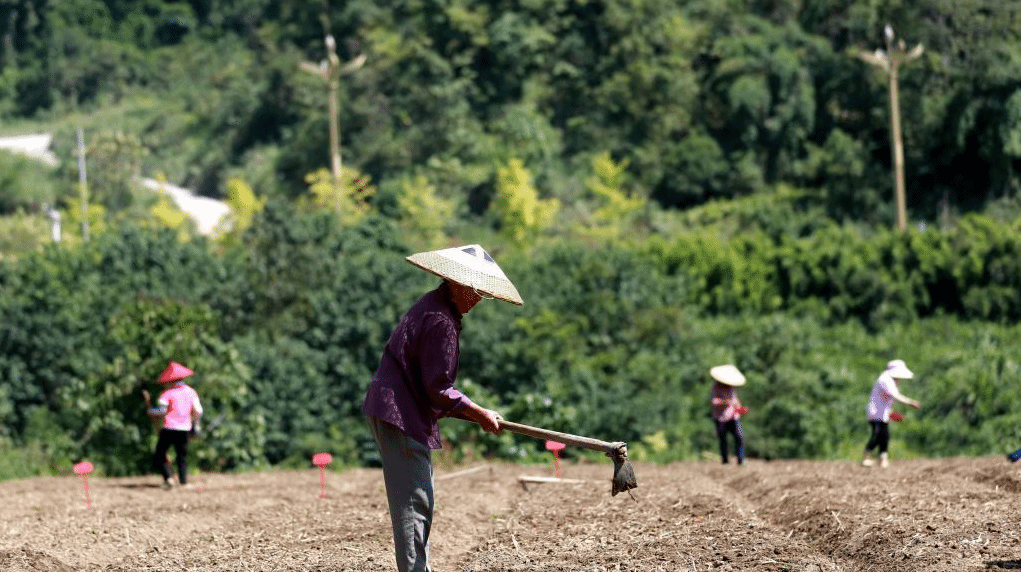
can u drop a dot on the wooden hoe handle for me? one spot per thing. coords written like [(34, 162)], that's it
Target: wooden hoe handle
[(566, 438)]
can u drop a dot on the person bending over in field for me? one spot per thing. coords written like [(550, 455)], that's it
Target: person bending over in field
[(727, 409), (177, 410), (884, 393), (414, 386)]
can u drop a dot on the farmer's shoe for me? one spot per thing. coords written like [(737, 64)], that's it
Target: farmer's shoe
[(168, 484), (866, 460), (884, 461)]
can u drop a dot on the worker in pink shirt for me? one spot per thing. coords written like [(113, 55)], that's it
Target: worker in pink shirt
[(177, 411)]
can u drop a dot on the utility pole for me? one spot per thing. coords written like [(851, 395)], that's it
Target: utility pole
[(83, 188), (331, 70), (888, 61)]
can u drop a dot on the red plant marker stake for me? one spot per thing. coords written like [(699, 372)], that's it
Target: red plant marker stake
[(321, 460), (555, 447), (84, 468)]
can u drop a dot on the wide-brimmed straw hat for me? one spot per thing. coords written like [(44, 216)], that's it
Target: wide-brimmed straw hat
[(174, 372), (471, 266), (727, 375), (896, 368)]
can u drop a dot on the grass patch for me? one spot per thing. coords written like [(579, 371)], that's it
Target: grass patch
[(24, 462)]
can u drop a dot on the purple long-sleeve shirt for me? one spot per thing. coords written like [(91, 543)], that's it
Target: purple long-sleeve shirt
[(414, 384)]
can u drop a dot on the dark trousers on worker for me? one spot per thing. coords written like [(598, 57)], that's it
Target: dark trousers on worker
[(179, 441), (732, 427), (408, 478), (880, 437)]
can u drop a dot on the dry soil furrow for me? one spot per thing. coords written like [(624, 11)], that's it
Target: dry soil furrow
[(935, 515), (685, 519)]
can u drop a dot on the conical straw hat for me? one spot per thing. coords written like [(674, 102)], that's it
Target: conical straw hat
[(471, 266), (727, 375), (174, 372)]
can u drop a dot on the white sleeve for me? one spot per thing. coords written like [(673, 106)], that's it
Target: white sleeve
[(890, 386)]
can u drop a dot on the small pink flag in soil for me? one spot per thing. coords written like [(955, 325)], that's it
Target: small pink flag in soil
[(555, 447), (321, 460), (84, 468)]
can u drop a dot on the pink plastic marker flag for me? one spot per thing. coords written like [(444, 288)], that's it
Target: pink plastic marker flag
[(321, 460), (555, 447), (84, 468)]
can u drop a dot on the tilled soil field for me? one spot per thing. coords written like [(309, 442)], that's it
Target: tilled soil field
[(941, 515)]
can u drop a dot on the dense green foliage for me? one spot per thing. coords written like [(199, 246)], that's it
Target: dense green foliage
[(705, 99), (614, 341), (670, 185)]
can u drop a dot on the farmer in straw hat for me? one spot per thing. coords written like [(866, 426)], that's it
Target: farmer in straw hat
[(884, 392), (414, 386), (727, 409), (177, 411)]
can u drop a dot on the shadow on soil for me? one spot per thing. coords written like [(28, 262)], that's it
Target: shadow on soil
[(137, 485), (1006, 564)]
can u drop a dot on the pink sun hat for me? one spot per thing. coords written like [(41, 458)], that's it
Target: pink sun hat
[(174, 372)]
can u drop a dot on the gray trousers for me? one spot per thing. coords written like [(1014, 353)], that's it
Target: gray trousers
[(408, 476)]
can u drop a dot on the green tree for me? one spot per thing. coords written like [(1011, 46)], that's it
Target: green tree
[(424, 213), (244, 206), (762, 85), (351, 200), (615, 211), (522, 214), (115, 160)]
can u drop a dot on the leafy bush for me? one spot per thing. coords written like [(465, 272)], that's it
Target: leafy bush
[(285, 325), (27, 185)]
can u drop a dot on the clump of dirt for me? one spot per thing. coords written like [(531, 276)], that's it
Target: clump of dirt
[(28, 560)]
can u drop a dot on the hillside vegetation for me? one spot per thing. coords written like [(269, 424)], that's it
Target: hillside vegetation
[(670, 186)]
